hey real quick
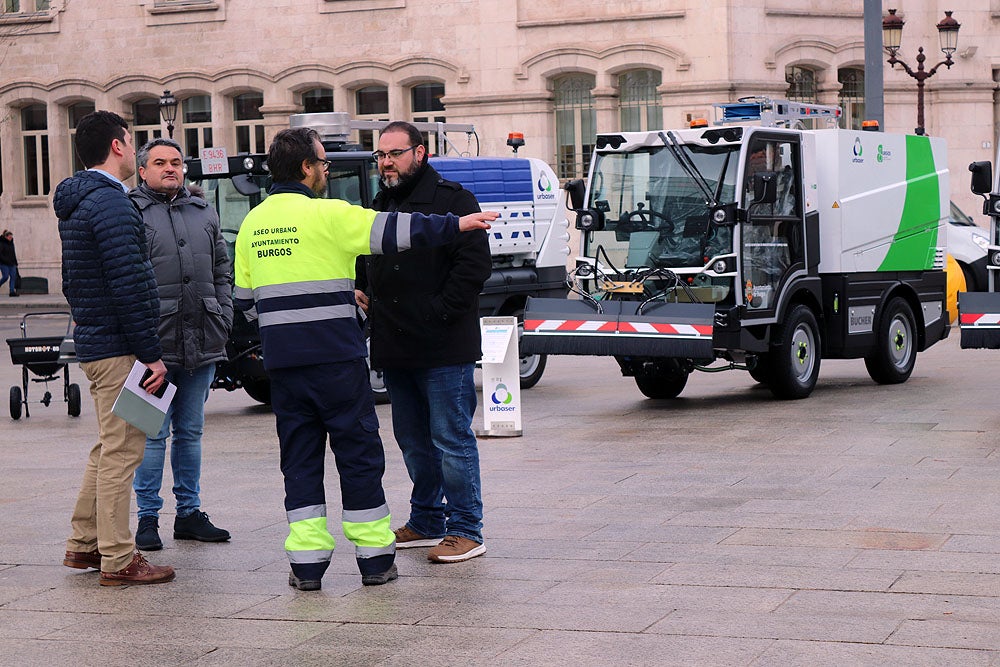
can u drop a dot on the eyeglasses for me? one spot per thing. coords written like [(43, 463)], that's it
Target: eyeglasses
[(325, 163), (394, 154)]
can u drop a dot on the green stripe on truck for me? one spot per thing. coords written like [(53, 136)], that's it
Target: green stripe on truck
[(916, 239)]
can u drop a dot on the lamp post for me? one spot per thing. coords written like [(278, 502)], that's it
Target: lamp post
[(892, 32), (168, 109)]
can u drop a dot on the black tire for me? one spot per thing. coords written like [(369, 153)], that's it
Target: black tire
[(16, 402), (73, 400), (793, 362), (895, 351), (376, 378), (971, 284), (760, 371), (258, 390), (379, 393), (531, 366), (660, 387)]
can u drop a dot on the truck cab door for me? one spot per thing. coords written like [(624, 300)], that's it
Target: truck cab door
[(772, 235)]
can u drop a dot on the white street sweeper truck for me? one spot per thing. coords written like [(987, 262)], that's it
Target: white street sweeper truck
[(755, 244)]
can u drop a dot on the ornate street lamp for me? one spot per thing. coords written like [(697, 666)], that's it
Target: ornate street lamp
[(892, 32), (168, 109)]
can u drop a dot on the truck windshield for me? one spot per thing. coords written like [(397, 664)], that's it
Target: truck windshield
[(233, 206), (655, 213)]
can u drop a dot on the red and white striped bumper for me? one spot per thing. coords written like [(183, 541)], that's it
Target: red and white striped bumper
[(563, 326)]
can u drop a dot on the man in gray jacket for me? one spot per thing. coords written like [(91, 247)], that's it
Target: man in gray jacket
[(193, 277)]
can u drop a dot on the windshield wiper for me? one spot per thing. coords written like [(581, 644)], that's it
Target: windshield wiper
[(679, 152)]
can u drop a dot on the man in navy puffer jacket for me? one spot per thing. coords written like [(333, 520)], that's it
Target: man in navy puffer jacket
[(109, 283)]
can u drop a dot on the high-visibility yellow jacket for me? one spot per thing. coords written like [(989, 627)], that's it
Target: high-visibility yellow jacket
[(295, 258)]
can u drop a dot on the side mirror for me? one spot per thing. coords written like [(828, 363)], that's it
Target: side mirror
[(765, 187), (245, 185), (982, 177), (589, 220), (575, 190)]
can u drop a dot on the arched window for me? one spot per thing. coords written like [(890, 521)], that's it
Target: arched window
[(370, 103), (249, 123), (638, 100), (317, 100), (197, 114), (801, 84), (576, 124), (146, 121), (75, 113), (35, 134), (852, 97)]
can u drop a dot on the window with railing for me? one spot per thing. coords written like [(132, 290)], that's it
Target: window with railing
[(35, 137), (75, 112), (249, 123), (852, 97), (196, 113), (638, 100), (576, 124), (370, 103), (801, 84), (426, 107)]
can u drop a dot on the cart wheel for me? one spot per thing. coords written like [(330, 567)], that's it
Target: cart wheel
[(15, 402), (73, 399)]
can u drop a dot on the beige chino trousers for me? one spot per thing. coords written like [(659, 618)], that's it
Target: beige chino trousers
[(101, 516)]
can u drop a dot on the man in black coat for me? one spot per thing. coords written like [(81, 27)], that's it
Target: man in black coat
[(424, 316)]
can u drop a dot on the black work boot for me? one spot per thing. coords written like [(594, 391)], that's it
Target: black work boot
[(196, 526), (146, 536)]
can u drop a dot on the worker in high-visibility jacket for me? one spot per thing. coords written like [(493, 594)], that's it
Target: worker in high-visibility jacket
[(295, 259)]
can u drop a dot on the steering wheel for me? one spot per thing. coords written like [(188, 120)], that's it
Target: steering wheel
[(642, 219)]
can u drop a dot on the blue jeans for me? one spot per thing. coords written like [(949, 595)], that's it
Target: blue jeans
[(432, 412), (186, 418), (9, 272)]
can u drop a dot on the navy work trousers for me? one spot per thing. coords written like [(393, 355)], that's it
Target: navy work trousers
[(334, 400)]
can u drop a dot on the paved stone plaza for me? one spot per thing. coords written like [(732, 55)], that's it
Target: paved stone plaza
[(857, 527)]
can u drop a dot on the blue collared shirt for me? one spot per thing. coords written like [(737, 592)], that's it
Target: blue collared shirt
[(101, 171)]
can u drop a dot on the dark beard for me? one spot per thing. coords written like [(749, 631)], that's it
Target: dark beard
[(407, 182)]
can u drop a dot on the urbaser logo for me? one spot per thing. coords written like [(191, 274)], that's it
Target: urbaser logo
[(501, 399), (544, 188)]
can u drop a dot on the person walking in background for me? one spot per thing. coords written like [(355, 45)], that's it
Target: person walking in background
[(295, 261), (194, 280), (109, 284), (8, 261), (424, 316)]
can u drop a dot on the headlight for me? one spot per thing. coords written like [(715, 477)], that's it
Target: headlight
[(980, 241)]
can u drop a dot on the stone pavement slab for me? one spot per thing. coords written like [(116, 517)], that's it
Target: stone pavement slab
[(857, 527)]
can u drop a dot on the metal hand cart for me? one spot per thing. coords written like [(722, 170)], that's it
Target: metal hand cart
[(44, 356)]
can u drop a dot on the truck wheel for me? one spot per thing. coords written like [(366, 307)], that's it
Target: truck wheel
[(793, 363), (531, 366), (664, 386), (73, 400), (258, 390), (375, 378), (379, 392), (895, 351), (15, 402)]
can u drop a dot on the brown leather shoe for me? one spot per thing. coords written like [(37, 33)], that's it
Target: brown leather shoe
[(81, 560), (138, 572)]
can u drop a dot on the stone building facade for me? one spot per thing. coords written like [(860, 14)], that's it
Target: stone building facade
[(557, 71)]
